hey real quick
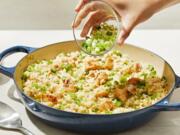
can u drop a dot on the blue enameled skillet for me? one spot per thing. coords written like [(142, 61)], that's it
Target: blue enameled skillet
[(87, 122)]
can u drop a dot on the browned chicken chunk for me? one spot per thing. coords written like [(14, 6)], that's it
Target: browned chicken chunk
[(108, 105), (101, 79), (155, 85), (121, 94), (134, 81), (50, 98), (109, 63), (69, 86), (131, 89), (102, 94), (138, 67), (92, 65)]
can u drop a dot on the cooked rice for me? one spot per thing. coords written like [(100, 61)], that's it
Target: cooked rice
[(77, 82)]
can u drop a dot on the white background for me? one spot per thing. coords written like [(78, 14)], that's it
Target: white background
[(58, 14)]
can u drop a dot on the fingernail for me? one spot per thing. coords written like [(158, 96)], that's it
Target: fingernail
[(72, 24), (121, 34), (120, 38), (77, 9), (120, 41), (83, 35)]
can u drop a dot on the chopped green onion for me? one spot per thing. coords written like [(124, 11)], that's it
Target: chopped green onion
[(25, 75), (117, 103), (116, 52), (53, 70), (101, 39), (67, 67), (123, 79), (50, 62), (141, 84), (31, 68)]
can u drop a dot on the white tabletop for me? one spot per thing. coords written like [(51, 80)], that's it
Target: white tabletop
[(165, 43)]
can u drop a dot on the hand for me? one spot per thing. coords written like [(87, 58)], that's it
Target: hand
[(99, 14), (131, 12)]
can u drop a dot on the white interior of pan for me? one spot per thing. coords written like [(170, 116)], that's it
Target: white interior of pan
[(144, 56)]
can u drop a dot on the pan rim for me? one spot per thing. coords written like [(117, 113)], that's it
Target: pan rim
[(97, 115)]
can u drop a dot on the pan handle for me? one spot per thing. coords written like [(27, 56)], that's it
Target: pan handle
[(177, 81), (10, 70), (165, 105)]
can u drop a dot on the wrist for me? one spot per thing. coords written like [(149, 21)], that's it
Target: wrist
[(166, 3)]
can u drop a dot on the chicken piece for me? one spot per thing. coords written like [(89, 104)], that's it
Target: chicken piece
[(109, 63), (131, 89), (60, 95), (102, 94), (52, 89), (153, 80), (134, 81), (107, 105), (31, 93), (121, 94), (50, 98), (71, 61), (56, 66), (155, 85), (138, 67), (92, 65), (66, 82), (128, 71), (37, 95), (92, 74), (69, 86), (101, 79)]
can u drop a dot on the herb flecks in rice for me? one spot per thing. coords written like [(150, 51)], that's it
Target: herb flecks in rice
[(77, 82)]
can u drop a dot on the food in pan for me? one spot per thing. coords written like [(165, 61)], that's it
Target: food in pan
[(108, 84), (101, 39)]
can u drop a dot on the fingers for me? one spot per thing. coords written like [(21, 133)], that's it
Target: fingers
[(122, 36), (127, 27), (80, 5), (94, 20), (84, 12), (89, 24)]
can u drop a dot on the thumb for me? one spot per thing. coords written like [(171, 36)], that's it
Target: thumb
[(127, 27)]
